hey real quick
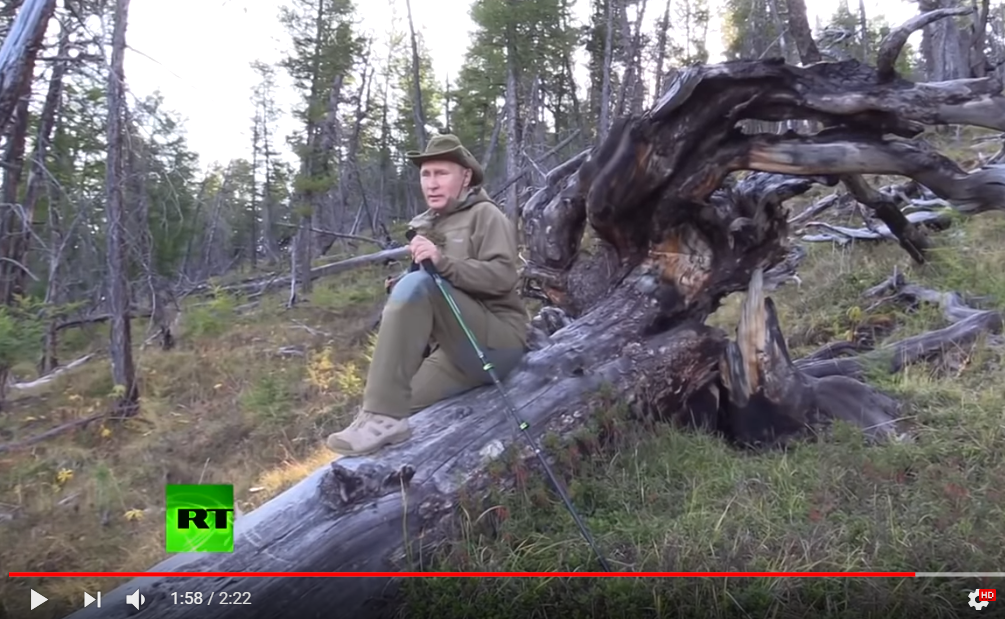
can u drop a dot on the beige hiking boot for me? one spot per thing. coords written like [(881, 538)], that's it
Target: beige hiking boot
[(367, 433)]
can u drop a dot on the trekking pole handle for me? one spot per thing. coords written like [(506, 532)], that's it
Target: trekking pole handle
[(427, 264)]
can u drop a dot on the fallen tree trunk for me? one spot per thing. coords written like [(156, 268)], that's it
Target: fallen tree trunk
[(673, 237), (97, 319), (379, 514)]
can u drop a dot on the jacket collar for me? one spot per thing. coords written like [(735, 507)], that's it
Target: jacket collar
[(471, 197)]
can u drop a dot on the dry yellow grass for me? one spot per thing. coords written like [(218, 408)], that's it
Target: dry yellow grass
[(224, 406)]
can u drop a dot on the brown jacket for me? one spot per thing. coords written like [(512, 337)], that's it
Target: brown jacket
[(478, 254)]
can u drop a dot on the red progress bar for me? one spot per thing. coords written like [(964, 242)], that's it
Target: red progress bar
[(463, 574)]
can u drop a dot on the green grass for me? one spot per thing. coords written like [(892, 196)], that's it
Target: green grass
[(659, 499)]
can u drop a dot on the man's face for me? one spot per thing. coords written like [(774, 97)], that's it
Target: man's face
[(441, 181)]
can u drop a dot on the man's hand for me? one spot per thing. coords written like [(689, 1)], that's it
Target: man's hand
[(423, 249)]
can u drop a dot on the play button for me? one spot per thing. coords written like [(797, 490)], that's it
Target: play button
[(37, 599)]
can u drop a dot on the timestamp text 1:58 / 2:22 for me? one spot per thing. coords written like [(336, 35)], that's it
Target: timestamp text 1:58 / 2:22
[(218, 597)]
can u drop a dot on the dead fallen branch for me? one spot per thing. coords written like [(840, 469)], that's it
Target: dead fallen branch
[(834, 200), (311, 330), (51, 376), (843, 234), (256, 288), (966, 326), (86, 321), (342, 235), (60, 429)]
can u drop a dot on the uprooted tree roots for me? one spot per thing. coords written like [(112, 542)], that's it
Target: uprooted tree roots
[(675, 234)]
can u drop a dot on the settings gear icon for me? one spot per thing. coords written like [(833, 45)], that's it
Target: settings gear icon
[(973, 600)]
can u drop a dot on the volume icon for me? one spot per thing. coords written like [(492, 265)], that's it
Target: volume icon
[(89, 599), (135, 599)]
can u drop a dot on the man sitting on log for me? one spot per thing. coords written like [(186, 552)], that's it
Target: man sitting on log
[(473, 245)]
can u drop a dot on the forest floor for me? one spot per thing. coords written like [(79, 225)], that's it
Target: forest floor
[(226, 407)]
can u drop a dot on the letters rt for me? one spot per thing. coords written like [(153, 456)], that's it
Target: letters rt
[(199, 518)]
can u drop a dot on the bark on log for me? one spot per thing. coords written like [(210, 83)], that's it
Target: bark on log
[(673, 237)]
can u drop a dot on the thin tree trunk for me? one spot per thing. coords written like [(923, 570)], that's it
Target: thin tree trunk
[(140, 199), (200, 201), (327, 137), (362, 113), (417, 109), (15, 223), (59, 240), (605, 91), (304, 200), (18, 53), (209, 248), (268, 216), (627, 99), (783, 45), (943, 47), (253, 241), (493, 140), (661, 48), (863, 25), (123, 371), (46, 123), (637, 100), (978, 57), (512, 122), (446, 103), (530, 119), (577, 108), (799, 27)]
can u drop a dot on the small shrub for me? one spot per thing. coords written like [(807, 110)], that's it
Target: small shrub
[(21, 329), (343, 379), (213, 318), (268, 399)]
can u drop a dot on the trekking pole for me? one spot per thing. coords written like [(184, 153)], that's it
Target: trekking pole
[(427, 265)]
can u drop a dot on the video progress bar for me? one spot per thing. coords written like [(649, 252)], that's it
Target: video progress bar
[(507, 574), (462, 574)]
